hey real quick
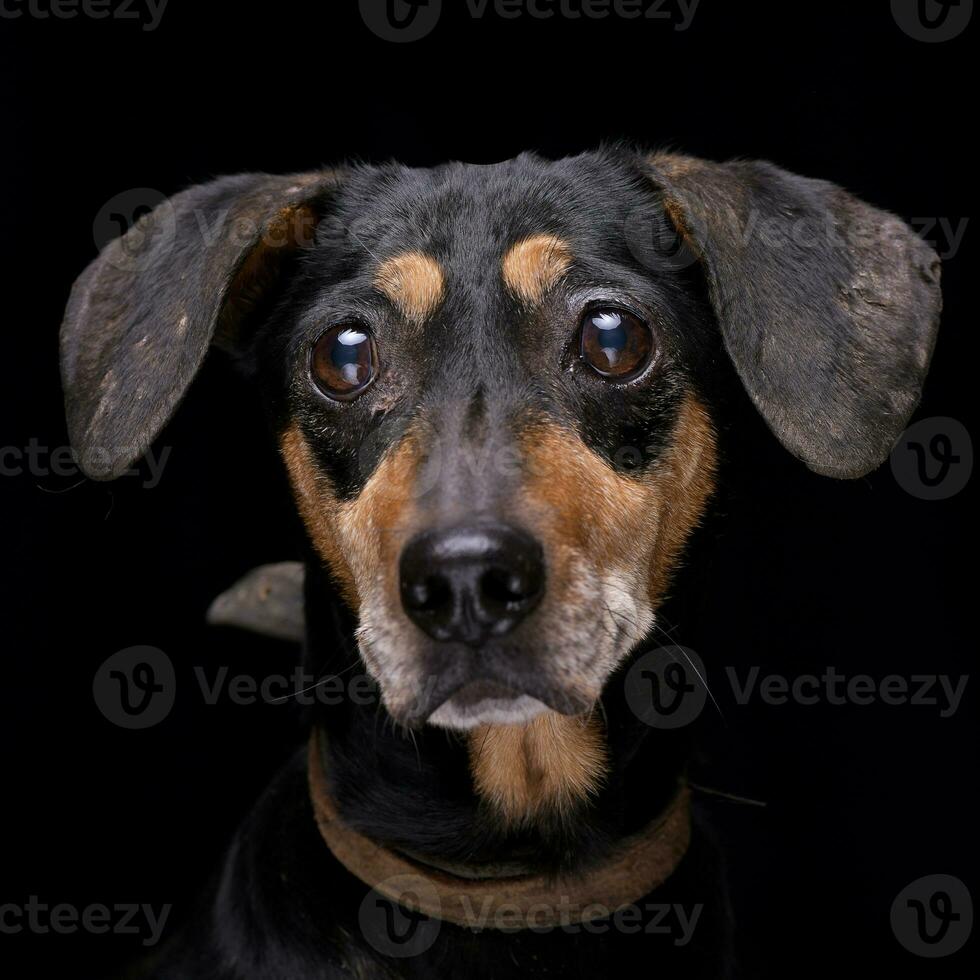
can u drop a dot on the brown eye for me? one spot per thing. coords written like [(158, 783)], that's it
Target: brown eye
[(615, 343), (344, 361)]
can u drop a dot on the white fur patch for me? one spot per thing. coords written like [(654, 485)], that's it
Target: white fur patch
[(489, 711)]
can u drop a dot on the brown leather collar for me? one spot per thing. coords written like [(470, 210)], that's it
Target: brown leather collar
[(504, 900)]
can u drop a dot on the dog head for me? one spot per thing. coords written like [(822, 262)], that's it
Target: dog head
[(489, 383)]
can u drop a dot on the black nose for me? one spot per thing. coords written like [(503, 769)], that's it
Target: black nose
[(471, 582)]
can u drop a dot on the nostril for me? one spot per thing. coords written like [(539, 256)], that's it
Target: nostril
[(506, 587), (428, 595)]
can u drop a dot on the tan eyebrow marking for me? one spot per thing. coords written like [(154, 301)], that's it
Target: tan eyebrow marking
[(413, 282), (534, 265)]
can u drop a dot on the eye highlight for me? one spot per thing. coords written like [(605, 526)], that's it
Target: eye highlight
[(615, 343), (344, 361)]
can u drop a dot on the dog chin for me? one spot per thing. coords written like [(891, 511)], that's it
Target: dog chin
[(476, 705)]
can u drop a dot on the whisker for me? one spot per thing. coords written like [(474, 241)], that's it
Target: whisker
[(418, 755), (296, 694), (727, 796), (674, 644)]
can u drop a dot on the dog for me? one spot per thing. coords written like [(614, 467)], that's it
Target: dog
[(452, 360)]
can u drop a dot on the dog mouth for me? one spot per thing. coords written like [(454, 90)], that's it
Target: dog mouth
[(485, 702), (462, 692)]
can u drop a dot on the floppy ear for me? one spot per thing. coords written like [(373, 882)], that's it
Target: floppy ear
[(828, 307), (141, 317)]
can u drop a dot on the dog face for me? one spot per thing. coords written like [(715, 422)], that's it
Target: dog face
[(493, 429), (489, 384)]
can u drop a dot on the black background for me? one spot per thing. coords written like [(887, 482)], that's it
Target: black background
[(807, 572)]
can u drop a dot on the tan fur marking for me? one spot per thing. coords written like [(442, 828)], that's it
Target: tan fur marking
[(534, 265), (551, 764), (413, 282), (686, 478), (358, 539), (615, 519)]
